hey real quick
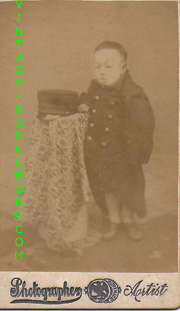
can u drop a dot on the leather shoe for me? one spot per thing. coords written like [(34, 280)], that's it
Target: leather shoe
[(134, 233), (112, 232)]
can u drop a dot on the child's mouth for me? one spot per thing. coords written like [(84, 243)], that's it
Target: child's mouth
[(103, 80)]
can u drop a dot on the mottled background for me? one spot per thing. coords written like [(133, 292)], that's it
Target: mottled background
[(57, 45)]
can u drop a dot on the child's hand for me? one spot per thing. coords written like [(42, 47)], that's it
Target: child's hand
[(83, 108)]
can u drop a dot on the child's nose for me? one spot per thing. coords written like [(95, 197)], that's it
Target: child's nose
[(102, 71)]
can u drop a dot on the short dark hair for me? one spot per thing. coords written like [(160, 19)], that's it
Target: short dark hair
[(114, 46)]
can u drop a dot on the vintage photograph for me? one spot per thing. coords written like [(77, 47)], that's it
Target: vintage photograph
[(89, 136)]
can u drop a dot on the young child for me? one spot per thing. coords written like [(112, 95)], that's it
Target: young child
[(119, 139)]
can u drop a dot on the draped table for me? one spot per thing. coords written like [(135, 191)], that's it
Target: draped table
[(56, 189)]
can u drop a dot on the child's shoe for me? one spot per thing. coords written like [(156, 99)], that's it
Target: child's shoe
[(129, 224), (112, 231), (133, 232)]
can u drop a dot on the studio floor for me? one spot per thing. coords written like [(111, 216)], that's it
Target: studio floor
[(156, 252)]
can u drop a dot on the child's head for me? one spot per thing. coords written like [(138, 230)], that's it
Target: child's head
[(110, 62)]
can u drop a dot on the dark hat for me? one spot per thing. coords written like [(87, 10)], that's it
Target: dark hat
[(61, 102)]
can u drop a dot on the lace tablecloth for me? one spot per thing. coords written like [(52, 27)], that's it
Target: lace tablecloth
[(56, 185)]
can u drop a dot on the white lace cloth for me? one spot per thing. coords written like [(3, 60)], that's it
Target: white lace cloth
[(56, 185)]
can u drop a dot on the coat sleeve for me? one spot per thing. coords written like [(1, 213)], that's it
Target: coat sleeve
[(83, 99), (139, 128)]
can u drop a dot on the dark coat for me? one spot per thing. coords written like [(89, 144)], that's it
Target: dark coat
[(118, 141)]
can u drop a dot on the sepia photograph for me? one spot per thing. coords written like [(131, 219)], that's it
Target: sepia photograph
[(89, 143)]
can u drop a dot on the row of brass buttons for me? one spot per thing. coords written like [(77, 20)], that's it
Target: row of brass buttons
[(106, 128), (97, 98), (109, 116), (89, 138)]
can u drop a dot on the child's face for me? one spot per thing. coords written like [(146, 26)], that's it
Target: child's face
[(109, 66)]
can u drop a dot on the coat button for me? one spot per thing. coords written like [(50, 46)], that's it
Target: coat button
[(91, 124), (103, 144), (106, 129), (110, 116), (94, 111), (89, 138), (97, 97)]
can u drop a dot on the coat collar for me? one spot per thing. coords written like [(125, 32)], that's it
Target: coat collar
[(125, 86), (117, 86)]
